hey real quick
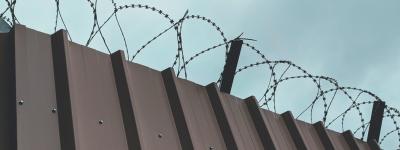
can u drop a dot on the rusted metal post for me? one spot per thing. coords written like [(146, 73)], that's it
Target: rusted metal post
[(376, 120), (230, 67)]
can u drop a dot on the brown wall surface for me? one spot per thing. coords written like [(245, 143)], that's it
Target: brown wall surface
[(59, 95)]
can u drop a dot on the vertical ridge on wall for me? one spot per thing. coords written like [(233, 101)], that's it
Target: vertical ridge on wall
[(294, 130), (348, 136), (131, 131), (60, 46), (152, 109), (234, 119), (176, 107), (199, 115), (323, 135), (220, 113), (8, 116), (259, 122)]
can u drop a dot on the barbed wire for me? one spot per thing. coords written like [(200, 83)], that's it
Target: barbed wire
[(270, 95), (327, 89), (59, 16)]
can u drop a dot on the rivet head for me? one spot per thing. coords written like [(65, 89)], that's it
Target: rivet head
[(20, 102), (101, 121), (160, 135), (54, 110)]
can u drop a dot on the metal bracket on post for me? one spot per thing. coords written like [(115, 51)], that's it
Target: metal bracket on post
[(376, 120), (230, 67)]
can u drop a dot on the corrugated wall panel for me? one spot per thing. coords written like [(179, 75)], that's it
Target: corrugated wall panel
[(337, 140), (55, 94), (244, 126), (294, 131), (150, 104), (125, 100), (258, 119), (234, 115), (277, 127), (37, 120), (309, 133), (350, 140), (199, 116), (170, 83), (95, 104), (323, 135)]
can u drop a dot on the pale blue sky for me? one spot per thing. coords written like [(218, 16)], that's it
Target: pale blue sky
[(355, 41)]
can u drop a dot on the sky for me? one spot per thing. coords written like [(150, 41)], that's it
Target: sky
[(357, 42)]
